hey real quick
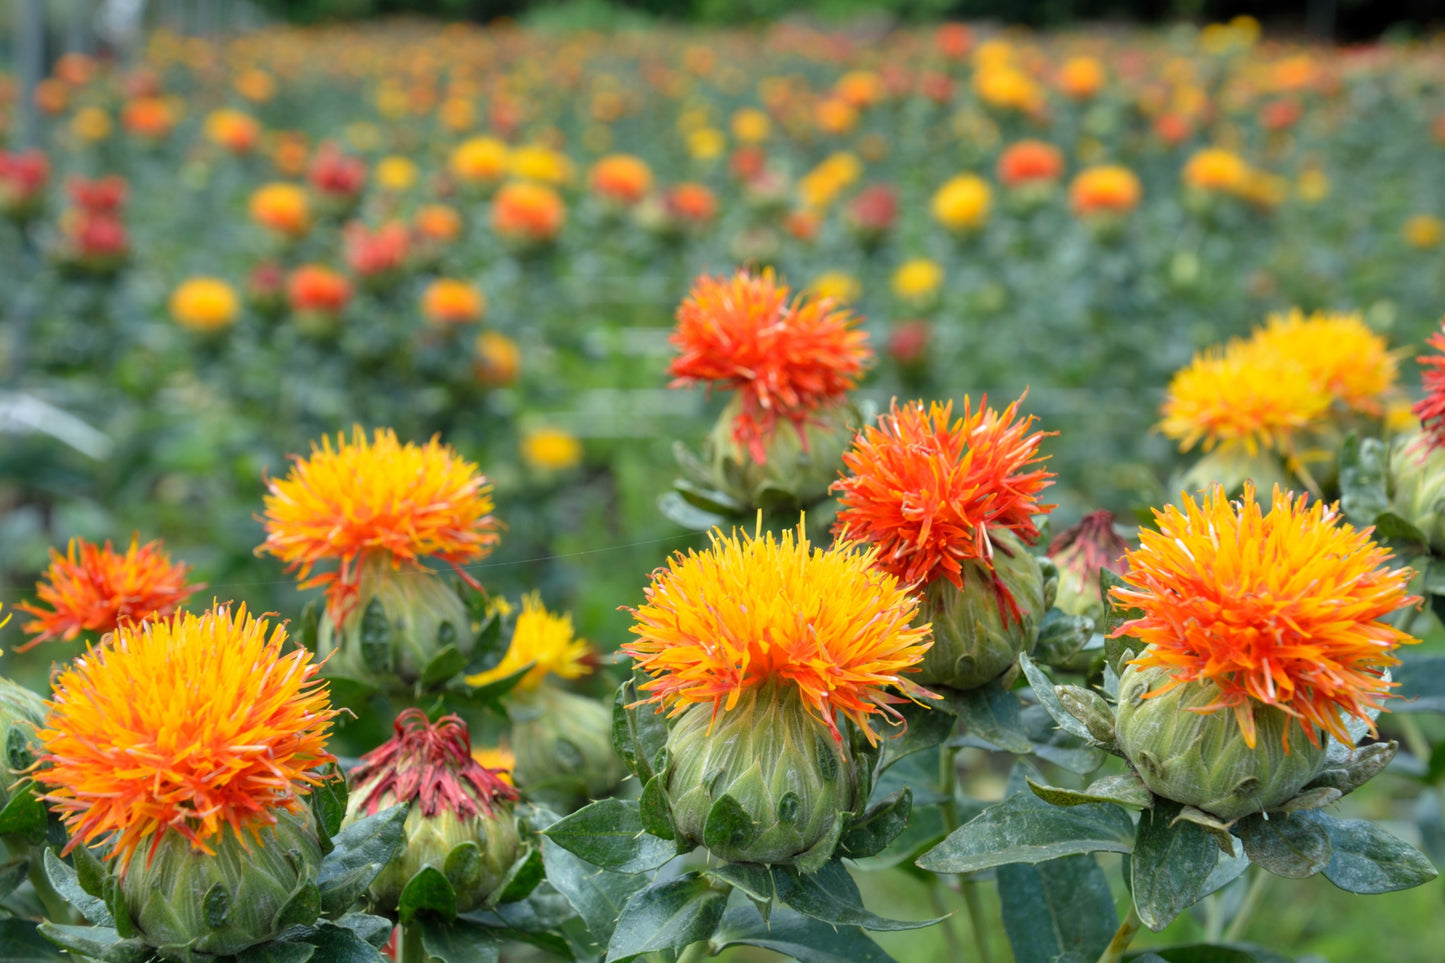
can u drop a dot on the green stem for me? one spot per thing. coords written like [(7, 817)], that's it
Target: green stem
[(948, 786), (410, 949), (1414, 737), (57, 910), (1246, 909), (974, 902), (1213, 919), (1123, 936), (950, 932), (700, 950)]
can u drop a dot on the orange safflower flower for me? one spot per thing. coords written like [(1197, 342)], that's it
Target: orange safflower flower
[(1281, 608), (691, 203), (437, 222), (281, 208), (233, 130), (1347, 360), (528, 212), (785, 360), (190, 724), (1029, 162), (148, 117), (449, 301), (829, 623), (1106, 189), (94, 588), (926, 488), (315, 288), (621, 177), (1081, 77), (377, 499)]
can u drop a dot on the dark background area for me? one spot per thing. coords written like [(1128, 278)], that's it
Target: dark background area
[(1344, 20)]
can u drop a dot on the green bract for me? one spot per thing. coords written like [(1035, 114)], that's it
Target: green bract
[(795, 475), (763, 782), (973, 641), (183, 900), (562, 744), (1199, 758), (1417, 486)]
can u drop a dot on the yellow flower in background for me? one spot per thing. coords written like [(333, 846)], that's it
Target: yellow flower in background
[(499, 759), (750, 125), (822, 185), (497, 359), (839, 286), (204, 304), (918, 280), (1312, 185), (396, 173), (1424, 231), (535, 162), (963, 202), (706, 143), (544, 641), (447, 301), (91, 124), (255, 85), (1216, 169), (480, 159), (457, 113), (1339, 352), (551, 449)]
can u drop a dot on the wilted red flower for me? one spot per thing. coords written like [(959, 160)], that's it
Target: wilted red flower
[(103, 195), (784, 360), (371, 253), (874, 210), (335, 174), (430, 765)]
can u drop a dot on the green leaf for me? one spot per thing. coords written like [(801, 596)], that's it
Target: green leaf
[(1422, 683), (991, 713), (831, 895), (655, 810), (115, 904), (89, 870), (328, 804), (684, 514), (1043, 688), (338, 944), (1355, 767), (93, 942), (300, 910), (310, 630), (1126, 789), (798, 937), (277, 951), (489, 695), (756, 882), (1366, 859), (487, 650), (923, 728), (448, 662), (373, 930), (429, 891), (1295, 847), (728, 825), (639, 732), (537, 920), (67, 883), (22, 942), (375, 638), (458, 942), (1363, 493), (24, 815), (1056, 909), (669, 915), (597, 895), (609, 833), (1025, 829), (361, 850), (1169, 865), (522, 877), (880, 825), (1062, 636)]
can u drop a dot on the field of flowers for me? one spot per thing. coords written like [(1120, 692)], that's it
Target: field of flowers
[(474, 327)]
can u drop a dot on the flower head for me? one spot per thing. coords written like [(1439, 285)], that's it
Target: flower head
[(1241, 396), (1339, 352), (1281, 608), (1105, 189), (756, 611), (544, 641), (94, 588), (1431, 409), (786, 360), (430, 765), (190, 724), (926, 489), (204, 304), (377, 498)]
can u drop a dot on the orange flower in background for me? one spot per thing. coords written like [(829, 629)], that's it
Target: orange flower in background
[(377, 498), (1215, 169), (233, 130), (621, 177), (1081, 77), (496, 359), (785, 360), (437, 222), (480, 160), (149, 117), (1281, 608), (94, 588), (314, 288), (953, 40), (1105, 189), (1431, 409), (1030, 162), (528, 212), (371, 253), (190, 724), (204, 304), (691, 203), (281, 208), (449, 301), (925, 488), (829, 623)]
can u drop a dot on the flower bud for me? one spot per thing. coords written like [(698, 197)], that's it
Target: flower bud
[(563, 747), (400, 622), (1417, 486), (1081, 552), (797, 470), (183, 900), (1200, 758), (22, 712), (460, 819), (980, 629), (787, 776)]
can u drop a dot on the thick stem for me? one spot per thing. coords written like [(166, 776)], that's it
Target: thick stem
[(410, 949), (1246, 909), (1415, 740), (700, 950), (1123, 936), (974, 902)]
